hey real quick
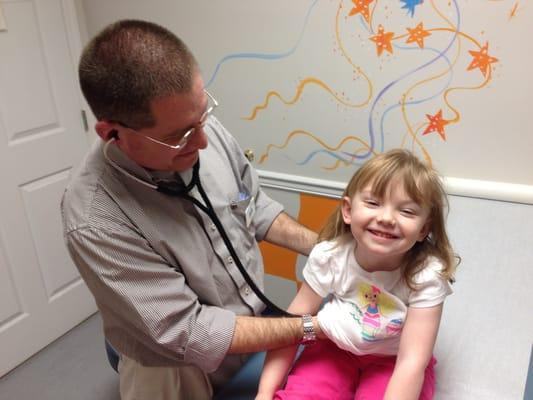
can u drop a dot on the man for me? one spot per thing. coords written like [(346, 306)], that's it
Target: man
[(172, 299)]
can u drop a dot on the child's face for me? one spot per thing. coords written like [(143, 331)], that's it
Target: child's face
[(384, 228)]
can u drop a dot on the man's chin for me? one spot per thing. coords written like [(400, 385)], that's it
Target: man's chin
[(183, 162)]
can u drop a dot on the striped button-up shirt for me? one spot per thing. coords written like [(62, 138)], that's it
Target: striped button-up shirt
[(165, 284)]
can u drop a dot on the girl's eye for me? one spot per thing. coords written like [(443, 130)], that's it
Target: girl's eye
[(371, 202), (408, 212)]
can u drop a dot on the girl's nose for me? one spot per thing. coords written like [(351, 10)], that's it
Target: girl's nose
[(385, 217)]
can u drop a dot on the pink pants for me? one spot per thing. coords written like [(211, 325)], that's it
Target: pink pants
[(324, 371)]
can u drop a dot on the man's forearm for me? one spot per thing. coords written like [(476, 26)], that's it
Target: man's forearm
[(254, 334), (288, 233), (258, 334)]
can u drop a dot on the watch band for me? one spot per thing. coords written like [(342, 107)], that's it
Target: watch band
[(309, 336)]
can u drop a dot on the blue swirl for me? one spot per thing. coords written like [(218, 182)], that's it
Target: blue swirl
[(394, 106), (391, 84), (263, 56), (310, 156)]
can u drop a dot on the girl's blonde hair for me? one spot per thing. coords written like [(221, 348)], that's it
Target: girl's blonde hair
[(423, 185)]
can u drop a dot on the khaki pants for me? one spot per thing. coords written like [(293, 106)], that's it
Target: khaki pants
[(162, 383)]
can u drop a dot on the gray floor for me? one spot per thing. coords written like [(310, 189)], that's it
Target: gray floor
[(74, 367)]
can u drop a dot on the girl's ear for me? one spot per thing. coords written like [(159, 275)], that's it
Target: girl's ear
[(424, 231), (346, 209), (106, 130)]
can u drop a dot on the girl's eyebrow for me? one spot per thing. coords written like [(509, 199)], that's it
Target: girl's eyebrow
[(410, 202)]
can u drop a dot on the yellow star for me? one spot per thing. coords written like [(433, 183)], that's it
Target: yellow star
[(361, 7), (383, 40), (436, 124), (417, 35), (482, 59)]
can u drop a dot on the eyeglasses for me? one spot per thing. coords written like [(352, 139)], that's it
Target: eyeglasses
[(212, 104)]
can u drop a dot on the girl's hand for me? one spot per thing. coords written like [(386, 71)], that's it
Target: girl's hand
[(278, 362)]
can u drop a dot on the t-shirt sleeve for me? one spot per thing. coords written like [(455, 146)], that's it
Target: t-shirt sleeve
[(431, 287), (319, 270)]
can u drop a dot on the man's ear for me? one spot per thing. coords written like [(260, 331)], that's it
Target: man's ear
[(106, 130), (346, 209)]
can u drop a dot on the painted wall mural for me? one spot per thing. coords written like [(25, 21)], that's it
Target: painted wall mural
[(353, 78)]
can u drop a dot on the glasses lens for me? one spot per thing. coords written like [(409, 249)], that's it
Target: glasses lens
[(211, 105), (183, 141), (203, 120), (207, 113)]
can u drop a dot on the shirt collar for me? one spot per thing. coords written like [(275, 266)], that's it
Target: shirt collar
[(152, 176)]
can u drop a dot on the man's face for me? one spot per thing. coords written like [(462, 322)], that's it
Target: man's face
[(174, 115)]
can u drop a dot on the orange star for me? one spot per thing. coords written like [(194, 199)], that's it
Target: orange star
[(361, 7), (383, 40), (481, 60), (436, 124), (417, 35)]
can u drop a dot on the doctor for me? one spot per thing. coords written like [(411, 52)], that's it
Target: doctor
[(168, 287)]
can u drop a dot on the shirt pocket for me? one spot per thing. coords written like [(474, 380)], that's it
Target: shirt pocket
[(242, 208)]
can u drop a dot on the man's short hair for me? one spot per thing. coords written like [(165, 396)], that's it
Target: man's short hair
[(130, 63)]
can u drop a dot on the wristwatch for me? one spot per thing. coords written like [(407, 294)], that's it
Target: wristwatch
[(309, 336)]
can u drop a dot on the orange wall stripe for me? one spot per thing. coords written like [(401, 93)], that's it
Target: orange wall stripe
[(279, 261), (314, 210)]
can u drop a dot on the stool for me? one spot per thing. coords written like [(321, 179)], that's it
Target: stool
[(243, 386), (112, 355)]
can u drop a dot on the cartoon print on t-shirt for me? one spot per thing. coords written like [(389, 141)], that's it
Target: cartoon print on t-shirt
[(394, 327), (370, 313), (371, 316)]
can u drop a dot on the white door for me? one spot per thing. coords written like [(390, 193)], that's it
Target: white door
[(41, 139)]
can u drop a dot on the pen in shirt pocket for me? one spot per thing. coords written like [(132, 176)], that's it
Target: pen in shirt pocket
[(241, 197)]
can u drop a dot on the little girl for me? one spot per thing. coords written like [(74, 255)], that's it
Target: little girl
[(385, 262)]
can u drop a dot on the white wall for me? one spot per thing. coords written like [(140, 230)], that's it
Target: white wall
[(487, 329)]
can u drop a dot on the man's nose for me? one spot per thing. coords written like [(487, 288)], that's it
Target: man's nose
[(198, 139)]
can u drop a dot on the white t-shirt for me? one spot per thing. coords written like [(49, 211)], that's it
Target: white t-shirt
[(366, 312)]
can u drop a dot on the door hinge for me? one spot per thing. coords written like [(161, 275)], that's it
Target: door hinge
[(84, 120)]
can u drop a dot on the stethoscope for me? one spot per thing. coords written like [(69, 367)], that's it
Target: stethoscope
[(207, 208)]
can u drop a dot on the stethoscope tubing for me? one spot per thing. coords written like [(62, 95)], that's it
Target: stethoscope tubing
[(210, 212), (208, 209)]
